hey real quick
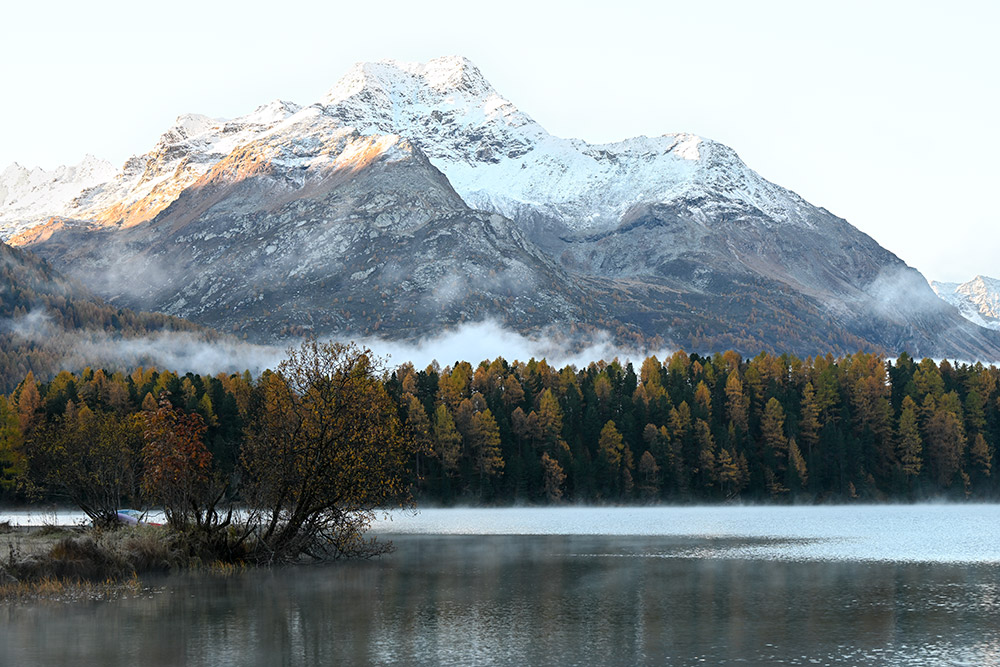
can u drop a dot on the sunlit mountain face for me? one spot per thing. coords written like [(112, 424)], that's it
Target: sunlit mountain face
[(415, 197)]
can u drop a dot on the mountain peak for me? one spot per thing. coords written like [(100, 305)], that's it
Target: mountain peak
[(12, 168), (187, 126), (454, 73), (274, 111), (978, 299), (442, 75), (35, 193)]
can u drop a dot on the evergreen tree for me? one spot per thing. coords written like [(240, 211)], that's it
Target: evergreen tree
[(909, 445), (649, 476), (447, 440)]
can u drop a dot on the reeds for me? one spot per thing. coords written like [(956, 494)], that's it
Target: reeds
[(65, 590)]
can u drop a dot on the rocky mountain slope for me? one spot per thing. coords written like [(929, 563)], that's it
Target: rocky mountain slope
[(414, 196), (978, 299), (361, 234)]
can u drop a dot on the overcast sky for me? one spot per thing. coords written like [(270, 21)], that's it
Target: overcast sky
[(885, 113)]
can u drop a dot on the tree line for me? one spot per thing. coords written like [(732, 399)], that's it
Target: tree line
[(292, 464), (688, 428), (698, 428)]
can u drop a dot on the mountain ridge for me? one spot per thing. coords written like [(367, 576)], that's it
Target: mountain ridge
[(671, 237)]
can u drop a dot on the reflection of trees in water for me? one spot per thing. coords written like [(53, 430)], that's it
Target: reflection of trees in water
[(516, 600)]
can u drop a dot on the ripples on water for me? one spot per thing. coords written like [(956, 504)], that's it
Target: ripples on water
[(844, 586)]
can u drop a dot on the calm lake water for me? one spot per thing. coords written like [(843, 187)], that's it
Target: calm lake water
[(893, 585)]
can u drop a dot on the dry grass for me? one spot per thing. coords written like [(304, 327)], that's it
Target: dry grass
[(74, 564), (77, 555), (144, 548), (77, 564), (224, 569), (63, 590)]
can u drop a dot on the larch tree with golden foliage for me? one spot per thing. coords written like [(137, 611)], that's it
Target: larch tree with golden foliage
[(909, 445), (553, 478), (611, 455), (13, 462), (486, 446), (447, 440), (775, 444), (737, 403)]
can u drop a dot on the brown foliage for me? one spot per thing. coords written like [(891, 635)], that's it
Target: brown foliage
[(324, 449), (176, 465)]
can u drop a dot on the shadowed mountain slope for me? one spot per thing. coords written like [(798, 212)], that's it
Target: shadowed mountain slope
[(413, 197)]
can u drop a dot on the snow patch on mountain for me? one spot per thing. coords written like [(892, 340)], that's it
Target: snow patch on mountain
[(32, 194), (144, 186), (495, 156), (498, 158), (978, 300), (149, 183)]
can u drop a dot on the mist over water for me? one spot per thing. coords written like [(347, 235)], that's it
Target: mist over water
[(849, 585), (932, 533)]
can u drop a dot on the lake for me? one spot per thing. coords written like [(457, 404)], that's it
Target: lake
[(846, 585)]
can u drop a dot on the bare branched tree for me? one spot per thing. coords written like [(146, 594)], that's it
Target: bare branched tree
[(324, 451)]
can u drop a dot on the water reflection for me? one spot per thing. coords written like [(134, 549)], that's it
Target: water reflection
[(458, 600)]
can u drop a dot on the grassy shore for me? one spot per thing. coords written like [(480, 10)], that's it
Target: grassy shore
[(84, 563)]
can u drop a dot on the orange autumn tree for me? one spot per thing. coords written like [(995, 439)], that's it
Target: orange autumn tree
[(177, 467), (13, 463)]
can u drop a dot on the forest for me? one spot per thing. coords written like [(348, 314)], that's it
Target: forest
[(44, 314), (688, 428)]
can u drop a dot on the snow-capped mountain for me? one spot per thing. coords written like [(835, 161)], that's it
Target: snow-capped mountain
[(316, 228), (494, 155), (30, 195), (422, 193), (499, 159), (978, 299)]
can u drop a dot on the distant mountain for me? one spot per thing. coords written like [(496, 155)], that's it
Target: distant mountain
[(30, 195), (978, 300), (414, 196)]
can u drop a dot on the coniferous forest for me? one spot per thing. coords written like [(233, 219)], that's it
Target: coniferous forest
[(684, 429)]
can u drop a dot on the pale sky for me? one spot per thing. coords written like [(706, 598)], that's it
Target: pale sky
[(885, 113)]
